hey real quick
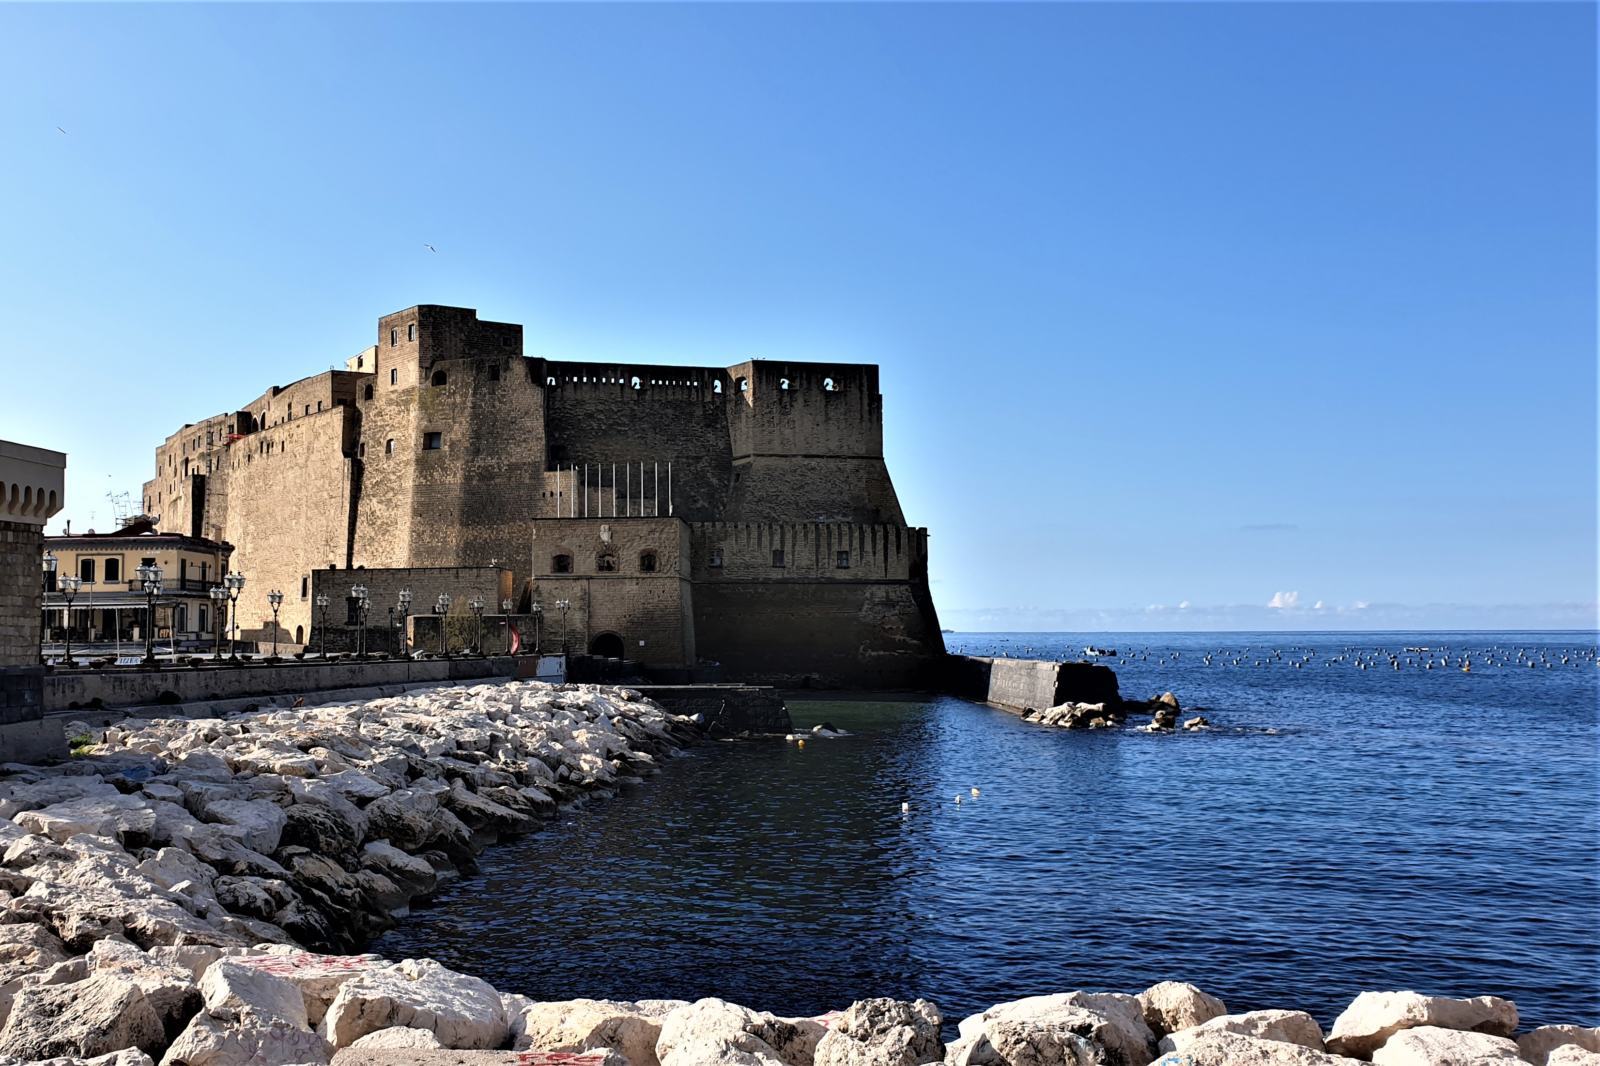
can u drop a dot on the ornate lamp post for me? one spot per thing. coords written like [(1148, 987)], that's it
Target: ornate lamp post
[(150, 578), (359, 594), (563, 606), (48, 572), (69, 586), (234, 583), (537, 610), (404, 607), (275, 598), (219, 601), (477, 624), (322, 606), (505, 612), (441, 607)]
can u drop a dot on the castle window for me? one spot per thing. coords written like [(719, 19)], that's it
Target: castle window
[(637, 383), (361, 361), (647, 562), (742, 385), (783, 383), (394, 375), (86, 571), (361, 450), (305, 587), (716, 386), (714, 559), (829, 385), (432, 442), (437, 379), (366, 393), (411, 332), (308, 407), (561, 564), (494, 373), (777, 557), (113, 570), (388, 446), (394, 337), (549, 381), (605, 563), (841, 560), (319, 405)]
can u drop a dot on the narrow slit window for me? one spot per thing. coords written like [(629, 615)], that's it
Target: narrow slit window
[(777, 557)]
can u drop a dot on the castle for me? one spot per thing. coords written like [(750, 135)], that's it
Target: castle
[(742, 516)]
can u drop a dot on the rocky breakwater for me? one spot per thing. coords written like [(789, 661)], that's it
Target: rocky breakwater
[(1164, 712)]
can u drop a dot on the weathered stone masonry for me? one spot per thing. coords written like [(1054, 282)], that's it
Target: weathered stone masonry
[(741, 515)]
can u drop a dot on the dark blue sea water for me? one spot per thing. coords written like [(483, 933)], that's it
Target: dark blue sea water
[(1342, 829)]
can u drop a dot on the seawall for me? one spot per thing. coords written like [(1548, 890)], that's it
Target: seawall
[(1028, 684)]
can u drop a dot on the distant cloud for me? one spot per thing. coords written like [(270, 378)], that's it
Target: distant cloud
[(1269, 527), (1184, 606), (1359, 615), (1317, 606), (1284, 600)]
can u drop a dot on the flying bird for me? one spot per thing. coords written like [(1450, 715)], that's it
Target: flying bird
[(59, 129), (431, 248)]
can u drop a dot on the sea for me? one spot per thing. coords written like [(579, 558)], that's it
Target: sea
[(1365, 813)]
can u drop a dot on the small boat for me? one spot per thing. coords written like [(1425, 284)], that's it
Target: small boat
[(1093, 652)]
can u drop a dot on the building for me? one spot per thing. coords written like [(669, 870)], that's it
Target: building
[(739, 515), (32, 487), (110, 605)]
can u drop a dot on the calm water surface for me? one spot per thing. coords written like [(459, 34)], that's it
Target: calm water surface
[(1416, 828)]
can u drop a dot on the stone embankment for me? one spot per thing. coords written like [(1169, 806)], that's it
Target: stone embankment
[(158, 894)]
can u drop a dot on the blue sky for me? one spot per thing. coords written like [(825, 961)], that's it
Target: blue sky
[(1182, 310)]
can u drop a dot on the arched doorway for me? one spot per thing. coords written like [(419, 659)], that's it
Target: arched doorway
[(299, 634), (606, 645)]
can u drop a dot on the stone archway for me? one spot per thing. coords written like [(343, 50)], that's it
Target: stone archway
[(606, 645)]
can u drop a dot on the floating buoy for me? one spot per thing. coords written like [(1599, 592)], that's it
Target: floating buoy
[(975, 792), (905, 808), (958, 799), (802, 743)]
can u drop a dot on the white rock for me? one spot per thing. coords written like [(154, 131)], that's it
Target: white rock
[(207, 1041), (1373, 1017), (1231, 1049), (399, 1037), (97, 1016), (586, 1024), (1289, 1026), (318, 977), (168, 988), (96, 815), (1572, 1055), (713, 1032), (1429, 1045), (463, 1012), (25, 948), (257, 823), (252, 994), (1173, 1005), (883, 1032), (1105, 1029), (1536, 1046)]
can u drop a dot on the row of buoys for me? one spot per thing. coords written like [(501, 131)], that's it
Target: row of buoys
[(974, 792)]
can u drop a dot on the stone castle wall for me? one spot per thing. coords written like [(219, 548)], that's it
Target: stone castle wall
[(445, 446)]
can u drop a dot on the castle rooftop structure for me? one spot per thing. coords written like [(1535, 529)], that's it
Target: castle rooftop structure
[(740, 515)]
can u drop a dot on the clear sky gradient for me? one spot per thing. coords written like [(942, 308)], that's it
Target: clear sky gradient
[(1182, 310)]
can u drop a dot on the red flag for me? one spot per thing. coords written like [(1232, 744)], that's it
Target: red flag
[(516, 643)]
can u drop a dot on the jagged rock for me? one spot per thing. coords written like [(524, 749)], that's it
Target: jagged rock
[(1288, 1026), (318, 977), (102, 1014), (712, 1032), (1231, 1049), (257, 897), (1536, 1046), (586, 1024), (424, 1057), (414, 876), (1094, 1029), (463, 1012), (883, 1032), (257, 823), (114, 815), (209, 1041), (1373, 1017), (26, 948), (1173, 1005), (403, 819), (168, 988), (1429, 1045), (398, 1037), (252, 995), (318, 828), (1572, 1055)]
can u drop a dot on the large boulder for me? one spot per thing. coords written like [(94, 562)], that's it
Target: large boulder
[(463, 1012), (26, 948), (1093, 1029), (398, 1037), (586, 1024), (351, 1056), (411, 875), (1536, 1046), (1373, 1017), (1572, 1055), (252, 995), (883, 1032), (258, 824), (1289, 1026), (212, 1041), (713, 1032), (318, 977), (1220, 1048), (1429, 1045), (97, 1016), (170, 989), (1173, 1005)]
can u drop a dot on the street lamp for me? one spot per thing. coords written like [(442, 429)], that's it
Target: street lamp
[(537, 610), (563, 606), (322, 606), (400, 631), (359, 594), (219, 599), (477, 625), (505, 612), (48, 570), (235, 585), (69, 586), (150, 578), (275, 598), (441, 607)]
